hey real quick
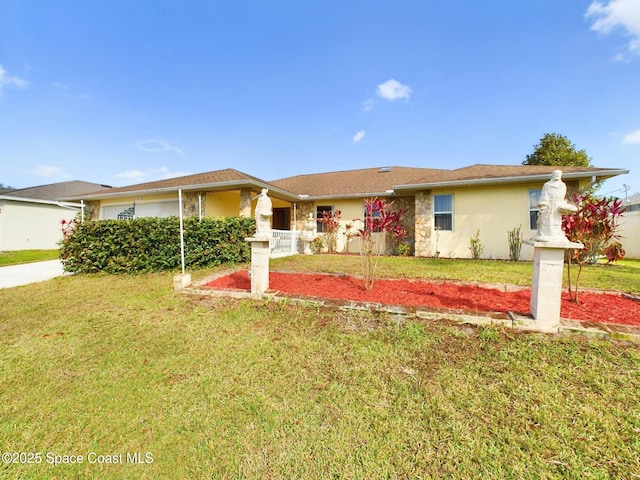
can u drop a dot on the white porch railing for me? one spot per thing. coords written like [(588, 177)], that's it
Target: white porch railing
[(283, 243)]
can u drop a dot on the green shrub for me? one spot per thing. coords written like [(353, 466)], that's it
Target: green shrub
[(152, 244), (476, 246), (515, 243)]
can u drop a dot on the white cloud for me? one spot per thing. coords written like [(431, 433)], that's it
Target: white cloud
[(157, 145), (633, 137), (9, 81), (47, 171), (624, 14), (393, 90), (358, 136), (132, 175), (367, 105), (161, 173)]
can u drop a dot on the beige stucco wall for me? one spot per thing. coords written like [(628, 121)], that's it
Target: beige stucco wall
[(352, 214), (494, 211), (223, 204), (214, 204), (630, 233), (31, 226)]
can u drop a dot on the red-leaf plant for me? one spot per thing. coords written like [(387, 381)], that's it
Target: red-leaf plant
[(379, 218), (68, 227), (331, 222), (595, 225)]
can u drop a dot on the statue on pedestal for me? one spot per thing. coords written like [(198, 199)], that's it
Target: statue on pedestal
[(553, 205), (263, 214)]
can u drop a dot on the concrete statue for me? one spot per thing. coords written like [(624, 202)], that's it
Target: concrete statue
[(553, 205), (263, 214), (549, 246)]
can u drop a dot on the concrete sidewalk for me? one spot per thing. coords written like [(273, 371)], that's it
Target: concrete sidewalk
[(26, 273)]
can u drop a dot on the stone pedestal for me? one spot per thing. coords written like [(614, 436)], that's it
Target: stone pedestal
[(546, 286), (306, 238), (259, 264), (180, 282)]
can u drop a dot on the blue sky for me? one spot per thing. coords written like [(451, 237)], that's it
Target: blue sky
[(122, 92)]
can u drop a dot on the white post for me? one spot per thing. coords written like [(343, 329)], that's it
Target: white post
[(181, 230), (184, 280), (294, 240)]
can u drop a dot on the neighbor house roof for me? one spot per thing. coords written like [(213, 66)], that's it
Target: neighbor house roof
[(226, 179), (56, 191), (633, 199)]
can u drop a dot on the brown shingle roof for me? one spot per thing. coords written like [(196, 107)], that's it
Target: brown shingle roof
[(361, 182), (217, 176), (372, 181), (365, 181), (480, 173)]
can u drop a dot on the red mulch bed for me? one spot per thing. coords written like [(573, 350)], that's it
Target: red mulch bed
[(594, 307)]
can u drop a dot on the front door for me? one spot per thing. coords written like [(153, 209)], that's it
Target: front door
[(281, 218)]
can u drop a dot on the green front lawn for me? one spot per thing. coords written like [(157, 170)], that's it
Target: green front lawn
[(221, 388), (26, 256)]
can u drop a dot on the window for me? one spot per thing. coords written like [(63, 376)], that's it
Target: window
[(128, 214), (443, 211), (375, 223), (165, 208), (534, 199), (319, 209)]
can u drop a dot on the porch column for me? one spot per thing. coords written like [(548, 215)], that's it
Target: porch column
[(423, 222), (245, 203)]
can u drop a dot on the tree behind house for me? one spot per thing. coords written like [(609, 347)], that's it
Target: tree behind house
[(556, 150)]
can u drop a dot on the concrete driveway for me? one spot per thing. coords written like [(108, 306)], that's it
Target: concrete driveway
[(26, 273)]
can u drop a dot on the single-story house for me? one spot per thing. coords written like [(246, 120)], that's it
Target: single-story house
[(442, 208), (30, 218), (630, 226)]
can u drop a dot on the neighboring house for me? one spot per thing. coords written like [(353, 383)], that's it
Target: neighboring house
[(30, 218), (442, 209), (630, 227)]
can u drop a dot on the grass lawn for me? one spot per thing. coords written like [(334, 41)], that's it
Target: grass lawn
[(624, 277), (221, 388), (27, 256)]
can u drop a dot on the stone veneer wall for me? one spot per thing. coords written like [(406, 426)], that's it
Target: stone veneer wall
[(423, 224), (191, 204), (92, 210), (302, 214), (408, 207), (245, 203)]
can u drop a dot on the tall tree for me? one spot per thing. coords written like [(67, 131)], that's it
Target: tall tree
[(556, 150)]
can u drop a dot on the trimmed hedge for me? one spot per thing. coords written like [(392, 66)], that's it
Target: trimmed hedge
[(153, 244)]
